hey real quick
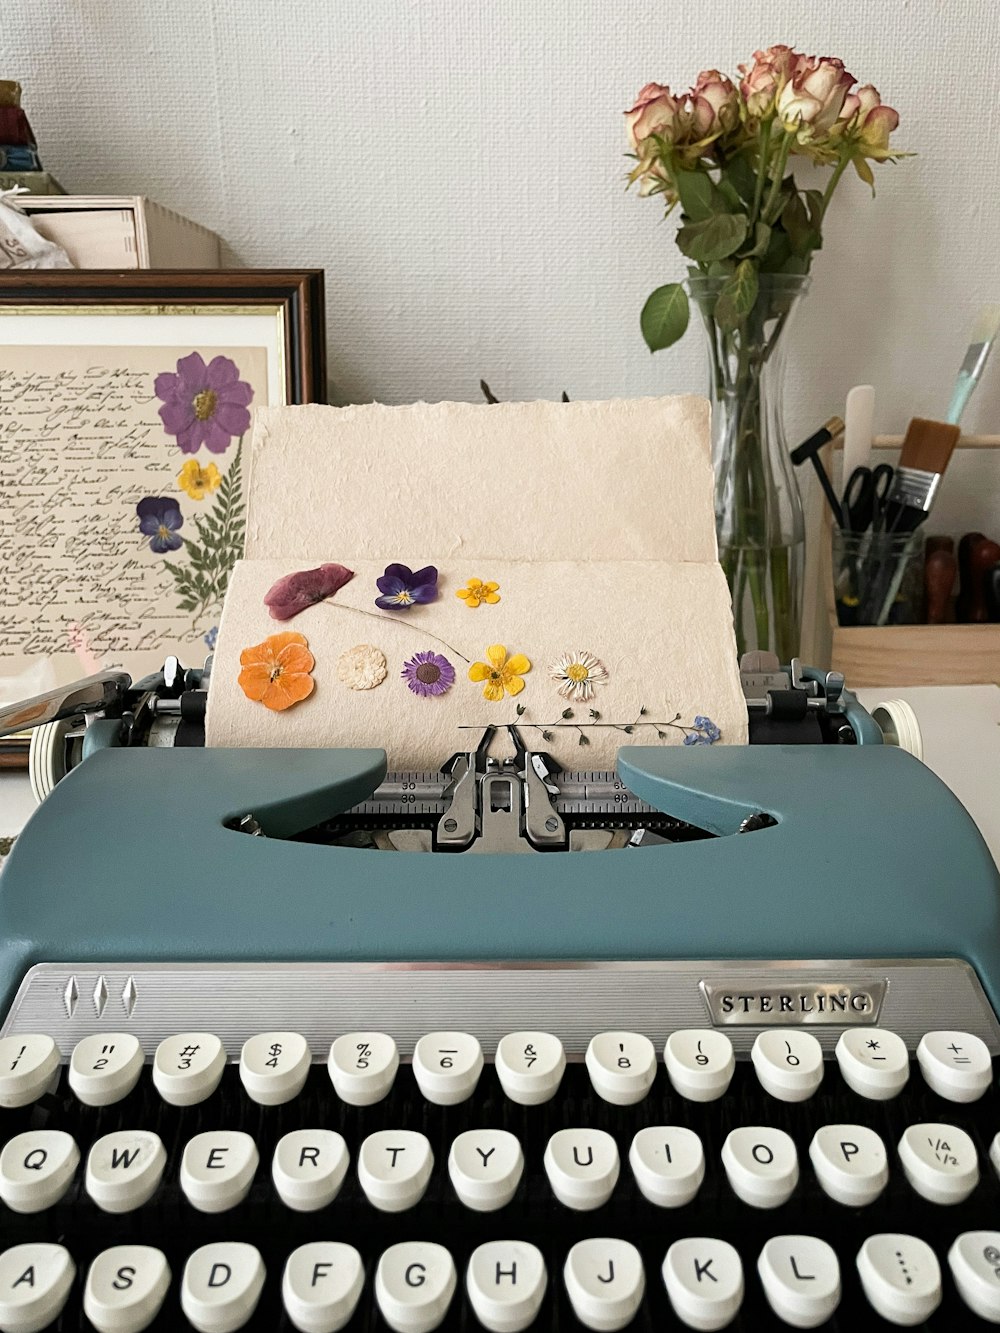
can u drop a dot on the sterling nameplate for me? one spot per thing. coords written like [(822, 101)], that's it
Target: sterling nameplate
[(806, 1002)]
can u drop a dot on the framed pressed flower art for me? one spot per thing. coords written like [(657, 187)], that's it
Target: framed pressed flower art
[(125, 402)]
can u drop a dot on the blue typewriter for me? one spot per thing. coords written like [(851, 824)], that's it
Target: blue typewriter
[(290, 1042)]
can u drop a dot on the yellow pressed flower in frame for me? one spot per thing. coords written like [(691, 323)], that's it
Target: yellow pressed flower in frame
[(198, 481), (476, 592), (500, 672)]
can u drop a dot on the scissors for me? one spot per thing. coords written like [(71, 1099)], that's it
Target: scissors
[(864, 497)]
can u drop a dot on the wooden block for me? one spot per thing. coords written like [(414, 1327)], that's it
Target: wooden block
[(917, 654), (104, 231)]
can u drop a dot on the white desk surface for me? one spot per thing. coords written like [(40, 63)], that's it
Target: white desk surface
[(961, 732)]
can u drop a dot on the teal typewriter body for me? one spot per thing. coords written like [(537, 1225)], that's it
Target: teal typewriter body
[(703, 1042)]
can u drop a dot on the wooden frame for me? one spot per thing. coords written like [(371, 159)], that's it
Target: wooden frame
[(295, 295), (88, 584)]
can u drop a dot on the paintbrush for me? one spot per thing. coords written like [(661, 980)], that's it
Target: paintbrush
[(927, 449), (976, 355)]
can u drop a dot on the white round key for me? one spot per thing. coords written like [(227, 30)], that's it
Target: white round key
[(36, 1169), (874, 1062), (622, 1066), (308, 1168), (322, 1285), (218, 1168), (704, 1280), (974, 1260), (187, 1067), (274, 1066), (901, 1277), (530, 1066), (29, 1066), (788, 1063), (394, 1168), (105, 1068), (221, 1286), (447, 1066), (850, 1162), (35, 1281), (124, 1169), (506, 1281), (700, 1063), (761, 1164), (414, 1284), (801, 1279), (126, 1286), (582, 1166), (939, 1161), (362, 1067), (605, 1281), (668, 1163), (485, 1166), (955, 1065)]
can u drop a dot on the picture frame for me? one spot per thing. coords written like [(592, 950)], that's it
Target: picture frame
[(125, 409)]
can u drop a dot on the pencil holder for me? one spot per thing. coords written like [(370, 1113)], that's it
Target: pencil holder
[(877, 577)]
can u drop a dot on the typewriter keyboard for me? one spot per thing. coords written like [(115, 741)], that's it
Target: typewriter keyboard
[(636, 1187)]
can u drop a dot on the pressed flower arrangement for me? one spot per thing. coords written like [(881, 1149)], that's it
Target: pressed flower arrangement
[(721, 154)]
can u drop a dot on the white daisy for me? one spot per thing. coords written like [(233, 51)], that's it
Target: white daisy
[(578, 673)]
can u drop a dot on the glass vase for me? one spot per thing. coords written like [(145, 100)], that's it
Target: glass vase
[(758, 508)]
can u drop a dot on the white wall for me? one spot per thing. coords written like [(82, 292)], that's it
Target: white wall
[(456, 168)]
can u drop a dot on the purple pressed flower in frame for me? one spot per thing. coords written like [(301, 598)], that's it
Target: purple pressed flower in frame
[(402, 588), (428, 674), (296, 592), (159, 519), (204, 404)]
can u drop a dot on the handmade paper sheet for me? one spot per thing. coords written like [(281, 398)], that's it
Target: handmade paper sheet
[(661, 634), (595, 522), (627, 480)]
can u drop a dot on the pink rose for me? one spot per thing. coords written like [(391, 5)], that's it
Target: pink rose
[(653, 113), (814, 97), (866, 122), (766, 77), (713, 104)]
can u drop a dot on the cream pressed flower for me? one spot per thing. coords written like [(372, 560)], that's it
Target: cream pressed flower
[(578, 674)]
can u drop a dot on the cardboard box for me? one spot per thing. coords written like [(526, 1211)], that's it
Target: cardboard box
[(103, 231)]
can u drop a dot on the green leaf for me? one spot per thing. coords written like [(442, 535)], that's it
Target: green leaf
[(814, 207), (722, 268), (737, 297), (664, 317), (796, 264), (778, 249), (761, 240), (699, 197), (740, 174), (795, 221), (714, 238)]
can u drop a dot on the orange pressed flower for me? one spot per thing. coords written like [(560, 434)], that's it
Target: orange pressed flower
[(276, 672)]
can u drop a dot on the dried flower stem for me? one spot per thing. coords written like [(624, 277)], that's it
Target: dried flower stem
[(394, 620)]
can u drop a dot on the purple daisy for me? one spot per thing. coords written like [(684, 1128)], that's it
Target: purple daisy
[(428, 674), (159, 519), (401, 588), (204, 405)]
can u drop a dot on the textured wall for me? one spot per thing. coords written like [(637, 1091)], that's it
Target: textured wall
[(457, 170)]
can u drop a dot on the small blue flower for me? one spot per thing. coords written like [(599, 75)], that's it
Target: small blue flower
[(696, 738), (211, 637), (708, 728), (159, 519)]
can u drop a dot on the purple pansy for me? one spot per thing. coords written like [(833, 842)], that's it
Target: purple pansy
[(159, 519), (204, 405), (402, 588), (428, 674), (296, 592)]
